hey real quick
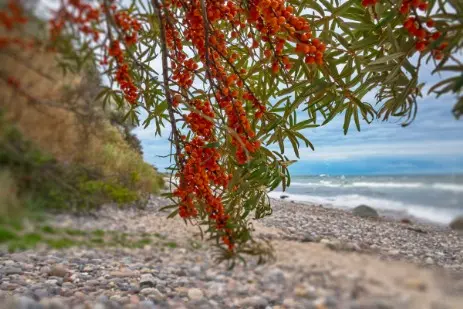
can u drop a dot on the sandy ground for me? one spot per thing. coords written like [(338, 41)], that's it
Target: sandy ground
[(315, 267)]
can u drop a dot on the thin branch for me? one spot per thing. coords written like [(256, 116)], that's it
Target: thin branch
[(165, 67)]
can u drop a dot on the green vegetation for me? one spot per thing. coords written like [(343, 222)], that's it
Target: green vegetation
[(42, 182), (171, 244), (62, 238), (61, 148), (6, 235)]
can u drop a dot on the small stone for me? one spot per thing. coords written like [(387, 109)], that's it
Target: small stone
[(181, 291), (147, 281), (134, 299), (365, 211), (216, 289), (9, 263), (305, 292), (275, 275), (394, 252), (352, 246), (102, 299), (147, 291), (284, 196), (307, 238), (52, 303), (92, 282), (331, 301), (122, 274), (45, 270), (58, 271), (415, 284), (429, 261), (334, 244), (116, 298), (289, 303), (10, 270), (146, 304), (54, 281), (23, 302), (254, 302), (41, 293), (372, 304), (406, 221), (79, 294), (195, 294), (457, 223), (157, 295), (68, 285)]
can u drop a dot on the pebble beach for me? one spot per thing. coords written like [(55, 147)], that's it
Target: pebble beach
[(324, 258)]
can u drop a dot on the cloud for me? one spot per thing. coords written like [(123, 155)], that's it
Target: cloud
[(423, 149)]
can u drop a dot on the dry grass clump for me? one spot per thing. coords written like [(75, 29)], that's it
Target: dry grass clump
[(59, 114)]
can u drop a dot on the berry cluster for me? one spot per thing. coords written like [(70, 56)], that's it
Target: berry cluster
[(198, 121), (78, 13), (201, 169), (123, 77), (407, 5), (278, 25), (11, 17), (422, 31), (279, 29), (130, 26)]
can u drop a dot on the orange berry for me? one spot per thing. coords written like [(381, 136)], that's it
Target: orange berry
[(275, 68), (420, 46), (435, 35)]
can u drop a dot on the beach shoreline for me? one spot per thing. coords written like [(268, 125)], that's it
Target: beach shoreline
[(385, 214), (389, 237), (324, 258), (430, 198)]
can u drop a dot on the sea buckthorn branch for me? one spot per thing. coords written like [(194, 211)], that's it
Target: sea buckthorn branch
[(236, 73), (173, 123)]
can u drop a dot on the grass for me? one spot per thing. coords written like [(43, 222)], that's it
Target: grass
[(72, 232), (171, 244), (97, 240), (32, 239), (99, 233), (61, 243), (62, 238), (6, 235), (48, 229)]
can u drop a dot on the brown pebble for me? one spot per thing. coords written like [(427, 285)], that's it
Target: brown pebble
[(415, 284)]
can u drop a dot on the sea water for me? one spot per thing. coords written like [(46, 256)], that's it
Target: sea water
[(436, 198)]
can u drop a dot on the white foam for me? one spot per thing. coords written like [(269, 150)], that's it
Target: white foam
[(389, 184), (323, 183), (438, 215), (448, 187)]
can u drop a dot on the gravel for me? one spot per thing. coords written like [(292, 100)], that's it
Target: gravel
[(325, 258), (418, 242)]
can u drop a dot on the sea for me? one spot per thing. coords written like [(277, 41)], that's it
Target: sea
[(434, 198)]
